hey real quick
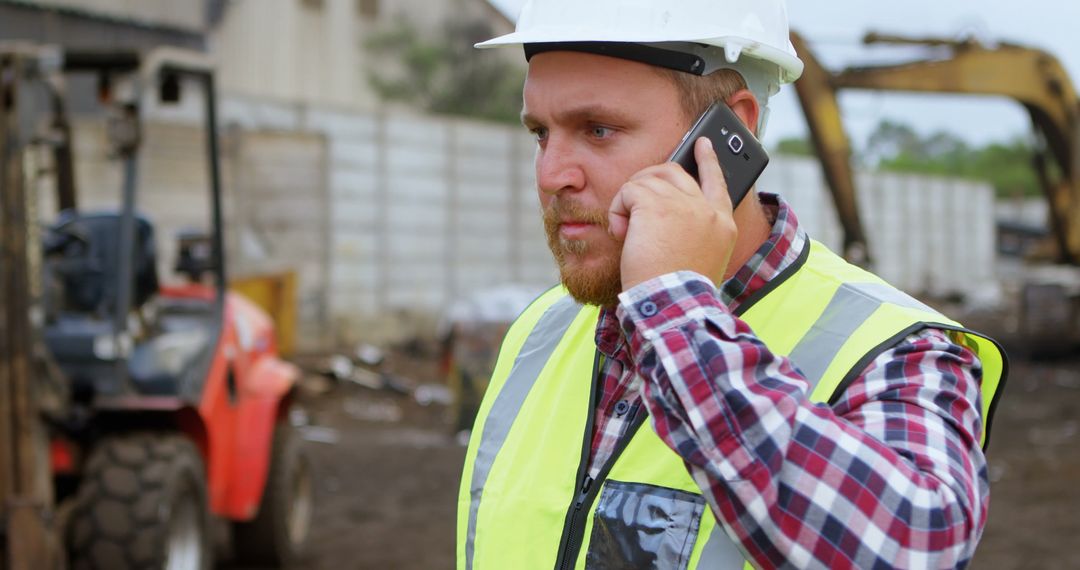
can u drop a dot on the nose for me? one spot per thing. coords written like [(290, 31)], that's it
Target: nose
[(558, 167)]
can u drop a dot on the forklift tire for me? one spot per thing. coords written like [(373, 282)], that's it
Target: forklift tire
[(141, 505), (278, 535)]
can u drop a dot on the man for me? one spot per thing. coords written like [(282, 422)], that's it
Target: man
[(803, 413)]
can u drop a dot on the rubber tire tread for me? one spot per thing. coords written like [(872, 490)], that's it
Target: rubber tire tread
[(265, 539), (118, 522)]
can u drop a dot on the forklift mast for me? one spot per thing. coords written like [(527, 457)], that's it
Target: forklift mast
[(26, 502), (1032, 77)]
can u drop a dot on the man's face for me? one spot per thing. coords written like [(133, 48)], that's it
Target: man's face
[(597, 120)]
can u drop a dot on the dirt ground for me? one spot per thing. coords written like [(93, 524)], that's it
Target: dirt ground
[(1035, 470), (388, 483), (387, 487)]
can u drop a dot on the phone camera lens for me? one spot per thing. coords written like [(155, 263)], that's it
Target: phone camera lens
[(735, 143)]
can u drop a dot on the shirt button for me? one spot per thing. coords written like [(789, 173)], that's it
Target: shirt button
[(648, 308), (622, 407)]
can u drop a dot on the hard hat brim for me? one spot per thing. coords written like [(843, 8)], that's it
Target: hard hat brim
[(791, 67)]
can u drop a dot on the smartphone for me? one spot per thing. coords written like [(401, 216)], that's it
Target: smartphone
[(742, 158)]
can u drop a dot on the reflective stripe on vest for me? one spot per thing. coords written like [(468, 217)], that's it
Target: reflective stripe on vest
[(848, 309), (533, 355), (540, 392)]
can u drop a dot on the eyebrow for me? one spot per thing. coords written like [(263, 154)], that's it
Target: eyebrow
[(581, 114)]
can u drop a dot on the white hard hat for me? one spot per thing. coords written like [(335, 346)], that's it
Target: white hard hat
[(700, 36)]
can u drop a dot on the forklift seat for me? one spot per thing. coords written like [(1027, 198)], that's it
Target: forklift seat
[(88, 264), (83, 257)]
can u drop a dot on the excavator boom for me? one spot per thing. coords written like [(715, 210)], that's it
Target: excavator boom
[(1032, 77)]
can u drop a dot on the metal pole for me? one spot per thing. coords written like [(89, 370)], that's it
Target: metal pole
[(127, 245), (67, 194), (215, 182), (24, 509)]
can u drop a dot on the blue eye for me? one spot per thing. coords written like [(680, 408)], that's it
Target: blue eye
[(600, 132)]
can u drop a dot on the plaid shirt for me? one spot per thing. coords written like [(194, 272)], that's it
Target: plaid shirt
[(891, 475)]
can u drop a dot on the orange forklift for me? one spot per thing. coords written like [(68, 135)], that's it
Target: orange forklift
[(140, 420)]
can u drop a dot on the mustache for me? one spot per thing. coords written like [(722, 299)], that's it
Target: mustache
[(560, 210)]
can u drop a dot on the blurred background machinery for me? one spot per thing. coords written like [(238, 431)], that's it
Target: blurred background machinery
[(143, 407), (1029, 76)]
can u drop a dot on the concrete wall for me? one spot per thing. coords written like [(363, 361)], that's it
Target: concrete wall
[(280, 213), (390, 217), (1027, 211), (926, 234), (425, 209)]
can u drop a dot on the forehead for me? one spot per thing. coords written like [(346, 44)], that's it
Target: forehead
[(564, 77)]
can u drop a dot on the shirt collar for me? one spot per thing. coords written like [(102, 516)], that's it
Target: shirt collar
[(786, 241)]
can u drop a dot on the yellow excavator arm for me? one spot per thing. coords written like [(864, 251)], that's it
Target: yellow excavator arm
[(1032, 77)]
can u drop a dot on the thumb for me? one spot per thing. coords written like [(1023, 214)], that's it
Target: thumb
[(711, 176)]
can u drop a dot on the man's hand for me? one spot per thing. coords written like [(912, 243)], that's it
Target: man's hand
[(668, 223)]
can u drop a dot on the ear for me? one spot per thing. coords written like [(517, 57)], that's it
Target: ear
[(746, 107)]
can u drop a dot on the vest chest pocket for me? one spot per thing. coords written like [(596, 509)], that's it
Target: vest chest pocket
[(643, 526)]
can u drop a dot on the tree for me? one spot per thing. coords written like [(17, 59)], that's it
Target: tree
[(897, 147), (1006, 166), (795, 146), (445, 74), (890, 139)]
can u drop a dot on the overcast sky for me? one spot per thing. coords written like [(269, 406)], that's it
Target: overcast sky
[(834, 28)]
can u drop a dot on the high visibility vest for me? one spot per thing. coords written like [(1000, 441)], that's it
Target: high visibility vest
[(526, 501)]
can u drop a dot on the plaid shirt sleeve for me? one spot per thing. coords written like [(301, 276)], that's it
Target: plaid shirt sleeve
[(890, 476)]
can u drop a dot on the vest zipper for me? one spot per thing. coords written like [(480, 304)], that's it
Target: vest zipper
[(574, 535), (578, 513), (571, 540)]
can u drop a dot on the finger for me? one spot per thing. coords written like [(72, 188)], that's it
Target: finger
[(631, 199), (619, 215), (650, 188), (670, 173), (641, 193), (651, 170), (711, 176)]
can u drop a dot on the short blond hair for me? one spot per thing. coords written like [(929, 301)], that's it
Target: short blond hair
[(698, 92)]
